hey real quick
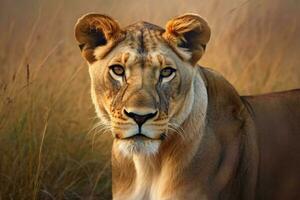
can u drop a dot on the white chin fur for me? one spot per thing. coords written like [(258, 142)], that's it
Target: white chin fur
[(142, 147)]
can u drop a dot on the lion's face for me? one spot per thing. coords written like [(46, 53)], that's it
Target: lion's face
[(141, 77), (137, 93)]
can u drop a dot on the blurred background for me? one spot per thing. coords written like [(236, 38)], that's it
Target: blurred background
[(48, 146)]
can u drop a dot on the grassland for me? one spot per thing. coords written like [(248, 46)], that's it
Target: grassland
[(48, 148)]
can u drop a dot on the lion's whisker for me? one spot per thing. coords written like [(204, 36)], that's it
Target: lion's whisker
[(176, 130)]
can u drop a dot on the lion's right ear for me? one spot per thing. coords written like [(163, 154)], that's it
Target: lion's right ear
[(94, 30)]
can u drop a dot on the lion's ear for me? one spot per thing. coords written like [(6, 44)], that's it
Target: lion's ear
[(190, 32), (94, 30)]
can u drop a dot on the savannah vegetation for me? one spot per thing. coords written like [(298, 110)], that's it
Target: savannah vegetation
[(50, 147)]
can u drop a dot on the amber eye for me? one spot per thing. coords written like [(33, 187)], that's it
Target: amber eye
[(117, 70), (167, 72)]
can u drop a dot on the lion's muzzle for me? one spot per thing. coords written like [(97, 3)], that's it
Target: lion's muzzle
[(140, 119)]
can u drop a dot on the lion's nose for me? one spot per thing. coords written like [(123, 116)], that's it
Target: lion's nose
[(140, 119)]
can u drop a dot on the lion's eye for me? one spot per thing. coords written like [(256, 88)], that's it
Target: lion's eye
[(167, 72), (117, 70)]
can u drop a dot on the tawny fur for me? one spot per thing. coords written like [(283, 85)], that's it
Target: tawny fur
[(216, 145)]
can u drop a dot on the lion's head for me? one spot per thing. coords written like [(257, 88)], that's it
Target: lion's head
[(142, 75)]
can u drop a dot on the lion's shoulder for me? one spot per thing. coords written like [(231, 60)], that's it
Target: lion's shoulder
[(277, 123)]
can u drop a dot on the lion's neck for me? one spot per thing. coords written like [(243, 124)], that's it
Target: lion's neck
[(165, 174)]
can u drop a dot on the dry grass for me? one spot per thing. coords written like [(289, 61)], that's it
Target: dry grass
[(46, 148)]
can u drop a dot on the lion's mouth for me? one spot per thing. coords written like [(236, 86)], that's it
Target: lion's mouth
[(141, 136)]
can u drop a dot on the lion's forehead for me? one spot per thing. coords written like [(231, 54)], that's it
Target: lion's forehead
[(131, 57), (143, 42), (143, 37)]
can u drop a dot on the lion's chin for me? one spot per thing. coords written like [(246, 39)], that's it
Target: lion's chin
[(138, 145)]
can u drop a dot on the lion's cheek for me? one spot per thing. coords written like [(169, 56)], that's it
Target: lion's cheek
[(101, 108)]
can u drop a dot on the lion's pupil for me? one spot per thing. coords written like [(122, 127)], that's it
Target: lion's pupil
[(166, 72), (118, 70)]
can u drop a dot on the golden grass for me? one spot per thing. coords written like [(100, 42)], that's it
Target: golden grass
[(46, 148)]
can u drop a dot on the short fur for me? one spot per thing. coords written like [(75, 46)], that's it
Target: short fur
[(206, 141)]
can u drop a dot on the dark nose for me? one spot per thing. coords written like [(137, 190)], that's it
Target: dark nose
[(140, 119)]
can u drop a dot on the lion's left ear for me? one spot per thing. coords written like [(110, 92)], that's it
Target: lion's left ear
[(189, 32)]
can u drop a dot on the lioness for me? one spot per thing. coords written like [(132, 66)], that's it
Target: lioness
[(181, 131)]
